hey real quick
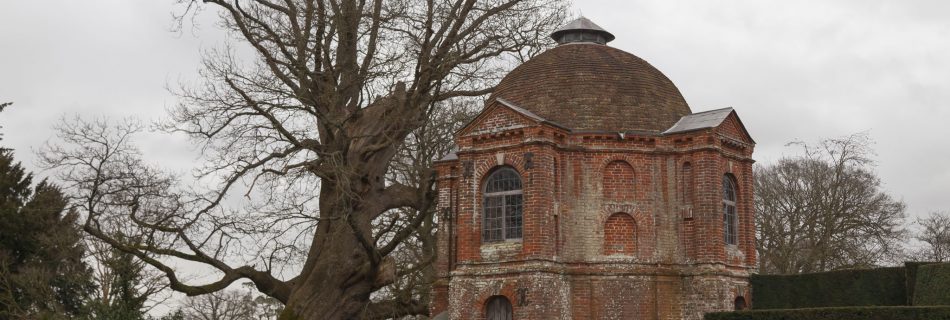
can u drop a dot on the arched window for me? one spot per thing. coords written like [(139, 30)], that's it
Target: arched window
[(620, 234), (729, 217), (498, 308), (502, 206)]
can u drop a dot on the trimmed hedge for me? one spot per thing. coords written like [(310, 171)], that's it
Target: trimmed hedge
[(910, 272), (917, 283), (871, 287), (933, 285), (841, 313)]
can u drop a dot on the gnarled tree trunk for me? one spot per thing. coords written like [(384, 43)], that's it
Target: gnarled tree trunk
[(336, 88)]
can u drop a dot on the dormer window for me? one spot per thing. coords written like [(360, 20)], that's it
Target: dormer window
[(502, 205)]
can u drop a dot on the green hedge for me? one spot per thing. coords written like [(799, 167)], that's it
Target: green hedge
[(910, 272), (871, 287), (841, 313), (933, 285)]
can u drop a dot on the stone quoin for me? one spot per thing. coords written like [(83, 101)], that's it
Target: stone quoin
[(587, 189)]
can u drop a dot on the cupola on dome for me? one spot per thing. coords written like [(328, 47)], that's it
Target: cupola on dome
[(582, 30), (583, 84)]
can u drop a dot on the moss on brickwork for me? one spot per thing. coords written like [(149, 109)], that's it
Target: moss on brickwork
[(932, 285), (842, 313), (872, 287)]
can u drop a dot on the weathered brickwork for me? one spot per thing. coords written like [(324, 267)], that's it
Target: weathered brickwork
[(615, 225), (613, 228), (620, 235), (619, 182), (501, 120)]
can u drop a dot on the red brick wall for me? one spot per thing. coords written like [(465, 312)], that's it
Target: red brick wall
[(620, 234), (732, 127), (663, 257), (619, 181), (499, 118)]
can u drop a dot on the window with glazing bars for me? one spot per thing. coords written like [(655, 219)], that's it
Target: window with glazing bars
[(502, 206), (729, 216)]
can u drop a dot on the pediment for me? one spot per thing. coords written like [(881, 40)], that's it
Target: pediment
[(500, 116), (733, 128), (725, 121)]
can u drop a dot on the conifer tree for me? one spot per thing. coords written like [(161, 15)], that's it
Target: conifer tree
[(42, 272)]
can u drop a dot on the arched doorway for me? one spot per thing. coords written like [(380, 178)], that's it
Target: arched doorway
[(740, 303), (498, 308)]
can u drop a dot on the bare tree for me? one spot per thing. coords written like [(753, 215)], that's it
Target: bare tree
[(415, 255), (935, 234), (305, 135), (825, 210), (221, 305)]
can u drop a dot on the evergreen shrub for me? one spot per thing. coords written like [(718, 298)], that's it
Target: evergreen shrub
[(839, 313), (866, 287), (932, 285)]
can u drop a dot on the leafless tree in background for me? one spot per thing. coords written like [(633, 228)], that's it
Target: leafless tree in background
[(221, 305), (825, 210), (305, 136), (935, 234)]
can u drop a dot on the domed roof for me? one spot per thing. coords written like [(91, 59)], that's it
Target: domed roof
[(590, 86)]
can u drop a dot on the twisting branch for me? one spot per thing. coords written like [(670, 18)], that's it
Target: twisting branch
[(301, 147), (118, 187)]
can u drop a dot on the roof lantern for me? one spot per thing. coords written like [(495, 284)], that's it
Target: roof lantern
[(581, 30)]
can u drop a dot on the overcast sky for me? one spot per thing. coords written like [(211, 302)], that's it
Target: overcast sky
[(793, 70)]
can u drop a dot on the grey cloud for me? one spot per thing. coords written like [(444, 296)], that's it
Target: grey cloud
[(792, 70)]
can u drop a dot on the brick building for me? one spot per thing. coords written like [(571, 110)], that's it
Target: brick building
[(587, 189)]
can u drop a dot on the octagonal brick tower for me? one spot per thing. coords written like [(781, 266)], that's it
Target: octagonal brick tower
[(587, 189)]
